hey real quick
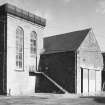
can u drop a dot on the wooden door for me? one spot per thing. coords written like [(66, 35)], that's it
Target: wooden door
[(98, 81), (91, 81)]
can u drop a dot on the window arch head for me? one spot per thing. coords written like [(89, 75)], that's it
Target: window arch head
[(33, 35), (33, 41), (19, 47), (19, 31)]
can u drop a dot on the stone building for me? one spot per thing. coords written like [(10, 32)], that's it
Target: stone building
[(21, 41), (72, 63)]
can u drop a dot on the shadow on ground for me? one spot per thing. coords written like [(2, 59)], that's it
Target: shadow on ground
[(98, 99)]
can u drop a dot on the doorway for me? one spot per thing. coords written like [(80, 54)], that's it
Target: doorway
[(90, 81)]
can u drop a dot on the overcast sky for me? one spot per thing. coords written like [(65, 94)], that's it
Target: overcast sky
[(68, 15)]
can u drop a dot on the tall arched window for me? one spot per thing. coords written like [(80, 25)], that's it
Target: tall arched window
[(19, 48), (33, 41)]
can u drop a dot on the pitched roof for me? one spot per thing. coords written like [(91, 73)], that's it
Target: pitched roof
[(64, 42)]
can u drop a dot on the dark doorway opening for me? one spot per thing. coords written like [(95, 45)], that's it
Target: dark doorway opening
[(81, 80)]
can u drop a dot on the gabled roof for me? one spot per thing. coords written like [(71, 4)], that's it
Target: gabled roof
[(64, 42)]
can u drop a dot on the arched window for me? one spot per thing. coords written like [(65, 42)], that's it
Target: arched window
[(33, 42), (19, 48)]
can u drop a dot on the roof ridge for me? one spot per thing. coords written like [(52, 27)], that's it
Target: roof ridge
[(70, 32)]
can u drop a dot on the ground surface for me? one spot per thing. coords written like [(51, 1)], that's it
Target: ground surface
[(52, 100)]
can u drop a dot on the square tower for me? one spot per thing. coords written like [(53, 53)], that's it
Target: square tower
[(21, 41)]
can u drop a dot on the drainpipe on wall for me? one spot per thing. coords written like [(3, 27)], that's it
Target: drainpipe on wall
[(36, 62), (36, 52)]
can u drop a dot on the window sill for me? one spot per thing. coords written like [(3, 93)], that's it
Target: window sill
[(33, 55), (19, 70)]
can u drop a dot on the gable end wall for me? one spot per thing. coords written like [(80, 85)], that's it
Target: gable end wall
[(88, 56)]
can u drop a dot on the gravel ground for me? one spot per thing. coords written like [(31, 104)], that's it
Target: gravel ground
[(51, 100)]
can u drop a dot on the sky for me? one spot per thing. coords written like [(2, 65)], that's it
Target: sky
[(68, 15)]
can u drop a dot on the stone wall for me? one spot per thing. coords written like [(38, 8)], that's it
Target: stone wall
[(19, 82)]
